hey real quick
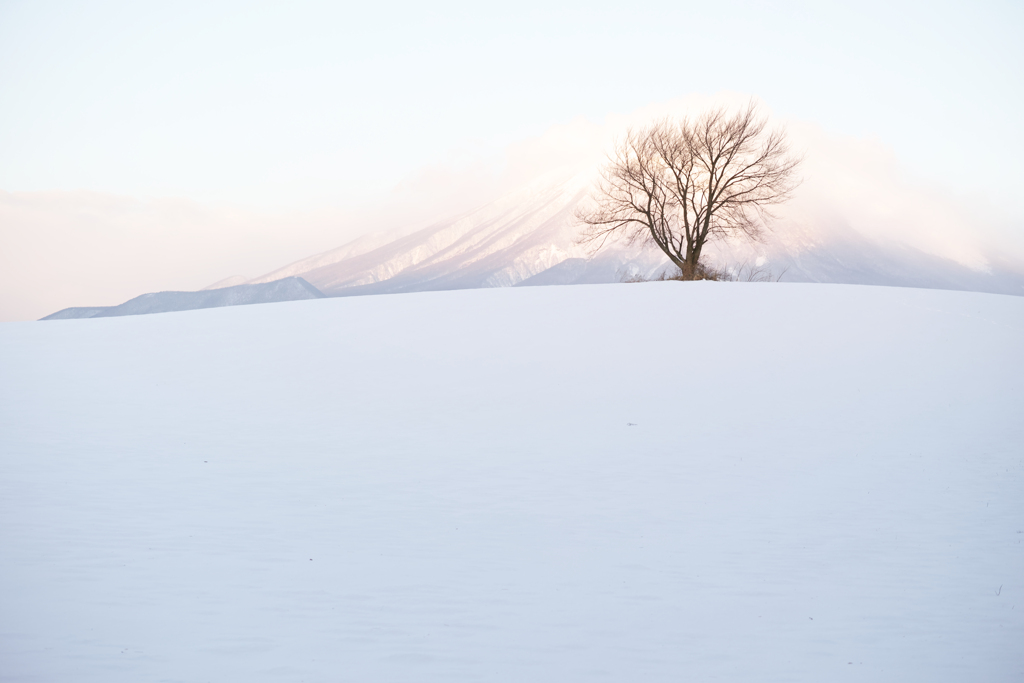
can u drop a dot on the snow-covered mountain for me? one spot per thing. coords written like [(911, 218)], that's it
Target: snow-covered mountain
[(527, 237)]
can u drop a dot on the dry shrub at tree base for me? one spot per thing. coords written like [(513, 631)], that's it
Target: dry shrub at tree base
[(703, 271)]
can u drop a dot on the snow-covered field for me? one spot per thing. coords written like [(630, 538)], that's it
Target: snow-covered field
[(651, 482)]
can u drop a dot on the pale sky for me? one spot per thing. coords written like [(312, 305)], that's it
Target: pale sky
[(282, 109)]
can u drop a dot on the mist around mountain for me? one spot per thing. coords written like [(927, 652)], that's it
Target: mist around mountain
[(856, 218), (528, 237)]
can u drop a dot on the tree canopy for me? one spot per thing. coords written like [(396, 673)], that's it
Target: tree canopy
[(681, 183)]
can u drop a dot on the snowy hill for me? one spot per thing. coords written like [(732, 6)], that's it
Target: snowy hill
[(284, 289), (651, 482)]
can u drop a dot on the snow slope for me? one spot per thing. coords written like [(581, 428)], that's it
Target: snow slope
[(651, 482)]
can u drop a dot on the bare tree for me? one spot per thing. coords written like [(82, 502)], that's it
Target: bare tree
[(682, 183)]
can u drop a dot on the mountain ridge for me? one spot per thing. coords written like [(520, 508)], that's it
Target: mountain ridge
[(285, 289)]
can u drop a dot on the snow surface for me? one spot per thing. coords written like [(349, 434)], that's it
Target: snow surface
[(650, 482)]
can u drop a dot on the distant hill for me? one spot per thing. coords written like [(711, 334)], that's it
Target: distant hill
[(285, 289)]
